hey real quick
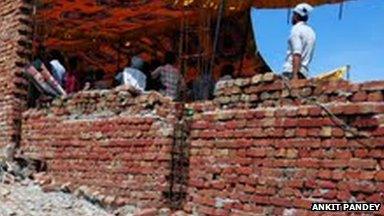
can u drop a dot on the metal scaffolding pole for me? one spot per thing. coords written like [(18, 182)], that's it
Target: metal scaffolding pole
[(217, 34)]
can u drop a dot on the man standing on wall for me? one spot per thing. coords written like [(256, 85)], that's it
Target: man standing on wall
[(301, 44)]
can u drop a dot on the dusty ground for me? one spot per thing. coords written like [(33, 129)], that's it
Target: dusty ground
[(29, 200)]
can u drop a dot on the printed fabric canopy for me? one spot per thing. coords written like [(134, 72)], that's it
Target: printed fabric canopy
[(121, 19), (94, 28)]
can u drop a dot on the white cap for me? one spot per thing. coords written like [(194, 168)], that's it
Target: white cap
[(303, 9)]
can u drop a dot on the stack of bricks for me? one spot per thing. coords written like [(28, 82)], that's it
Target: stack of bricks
[(15, 46), (270, 90), (118, 101), (115, 145), (277, 160)]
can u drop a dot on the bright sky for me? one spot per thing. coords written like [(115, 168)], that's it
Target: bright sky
[(357, 39)]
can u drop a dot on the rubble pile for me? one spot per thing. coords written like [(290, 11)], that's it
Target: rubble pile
[(98, 103), (26, 198), (270, 90), (21, 195), (26, 190)]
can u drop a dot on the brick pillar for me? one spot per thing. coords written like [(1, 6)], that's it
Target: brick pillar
[(15, 52)]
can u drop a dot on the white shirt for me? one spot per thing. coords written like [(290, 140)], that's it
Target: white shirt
[(134, 78), (301, 41), (58, 71)]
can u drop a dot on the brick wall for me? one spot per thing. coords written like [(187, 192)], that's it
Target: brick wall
[(260, 149), (14, 45), (269, 90), (113, 143), (261, 146)]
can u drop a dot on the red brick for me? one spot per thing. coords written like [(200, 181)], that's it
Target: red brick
[(375, 198), (351, 109), (301, 132), (325, 174), (338, 132), (373, 86), (375, 96), (147, 212), (261, 199), (285, 202), (361, 153), (207, 210), (343, 155), (359, 97), (332, 194), (358, 174), (204, 200), (326, 184), (254, 209), (379, 176), (220, 185), (363, 163), (378, 131), (257, 152), (297, 183), (311, 183), (365, 123), (315, 111), (302, 203), (338, 163), (344, 196), (289, 192), (244, 170)]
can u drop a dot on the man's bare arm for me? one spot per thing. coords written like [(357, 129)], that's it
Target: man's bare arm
[(296, 65)]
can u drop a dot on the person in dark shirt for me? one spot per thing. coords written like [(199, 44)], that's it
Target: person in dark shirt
[(71, 81), (100, 83)]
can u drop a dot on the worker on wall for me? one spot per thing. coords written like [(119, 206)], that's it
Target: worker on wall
[(133, 76), (301, 44), (172, 81)]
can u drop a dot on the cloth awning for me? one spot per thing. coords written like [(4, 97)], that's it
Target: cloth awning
[(290, 3), (94, 28), (114, 19)]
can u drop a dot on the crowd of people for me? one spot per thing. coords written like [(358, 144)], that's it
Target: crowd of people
[(53, 75)]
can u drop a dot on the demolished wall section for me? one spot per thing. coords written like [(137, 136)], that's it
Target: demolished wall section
[(114, 146)]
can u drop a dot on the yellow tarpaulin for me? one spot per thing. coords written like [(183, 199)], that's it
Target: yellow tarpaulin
[(337, 74)]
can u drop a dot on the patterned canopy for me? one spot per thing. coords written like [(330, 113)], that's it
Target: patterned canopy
[(117, 19), (94, 27)]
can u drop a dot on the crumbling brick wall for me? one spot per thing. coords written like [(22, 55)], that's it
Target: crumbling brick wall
[(259, 148), (115, 144), (15, 47)]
